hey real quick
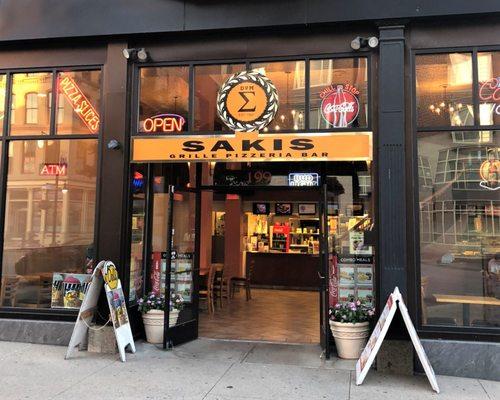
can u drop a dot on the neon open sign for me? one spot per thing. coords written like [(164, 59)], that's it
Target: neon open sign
[(164, 123), (80, 104)]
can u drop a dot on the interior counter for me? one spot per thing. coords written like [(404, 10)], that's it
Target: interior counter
[(284, 270)]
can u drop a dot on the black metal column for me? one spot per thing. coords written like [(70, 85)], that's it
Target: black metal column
[(392, 251)]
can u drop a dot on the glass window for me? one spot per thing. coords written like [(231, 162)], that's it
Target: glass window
[(79, 92), (29, 95), (208, 80), (49, 223), (289, 79), (338, 93), (164, 99), (459, 230), (444, 90), (60, 109), (3, 82), (31, 108), (489, 87), (138, 189)]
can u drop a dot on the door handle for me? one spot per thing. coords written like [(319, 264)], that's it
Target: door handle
[(320, 276)]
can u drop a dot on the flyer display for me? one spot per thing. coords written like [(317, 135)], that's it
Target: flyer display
[(368, 355), (104, 274)]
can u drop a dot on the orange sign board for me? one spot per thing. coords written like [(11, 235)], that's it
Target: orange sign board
[(355, 146)]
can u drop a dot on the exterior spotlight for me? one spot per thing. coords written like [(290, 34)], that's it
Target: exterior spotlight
[(142, 55), (356, 43), (359, 43), (373, 42), (127, 53)]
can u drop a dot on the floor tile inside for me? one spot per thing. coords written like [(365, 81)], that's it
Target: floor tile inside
[(271, 315)]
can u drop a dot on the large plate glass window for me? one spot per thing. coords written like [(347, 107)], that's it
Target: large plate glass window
[(459, 214), (30, 103), (444, 90), (3, 83), (338, 93), (48, 248), (163, 100), (289, 79), (489, 87), (78, 102), (208, 80)]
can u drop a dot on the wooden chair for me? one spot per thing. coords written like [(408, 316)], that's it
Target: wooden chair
[(221, 285), (242, 281), (8, 291), (207, 292)]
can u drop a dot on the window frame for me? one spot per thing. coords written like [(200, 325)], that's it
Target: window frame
[(135, 89), (414, 274), (6, 138)]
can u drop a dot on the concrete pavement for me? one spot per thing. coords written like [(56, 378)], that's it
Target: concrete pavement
[(211, 369)]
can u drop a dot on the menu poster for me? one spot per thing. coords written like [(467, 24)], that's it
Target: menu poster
[(346, 293), (357, 243), (105, 274), (346, 274), (68, 290), (365, 361)]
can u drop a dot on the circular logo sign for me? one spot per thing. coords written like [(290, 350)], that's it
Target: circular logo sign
[(247, 101), (340, 105), (490, 174)]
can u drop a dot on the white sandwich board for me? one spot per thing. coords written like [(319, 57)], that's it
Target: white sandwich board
[(105, 273), (365, 361)]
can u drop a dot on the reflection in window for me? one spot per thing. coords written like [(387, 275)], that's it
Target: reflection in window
[(2, 101), (138, 187), (288, 78), (444, 90), (459, 230), (80, 92), (164, 98), (29, 95), (489, 87), (49, 223), (346, 81), (208, 80)]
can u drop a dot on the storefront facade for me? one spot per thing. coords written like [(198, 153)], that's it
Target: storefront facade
[(80, 169)]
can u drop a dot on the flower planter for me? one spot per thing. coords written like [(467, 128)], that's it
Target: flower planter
[(350, 339), (153, 324)]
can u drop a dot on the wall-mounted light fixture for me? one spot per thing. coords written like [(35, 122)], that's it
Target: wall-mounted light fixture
[(359, 43), (139, 54)]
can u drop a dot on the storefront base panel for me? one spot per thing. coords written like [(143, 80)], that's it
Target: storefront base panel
[(466, 359), (32, 331)]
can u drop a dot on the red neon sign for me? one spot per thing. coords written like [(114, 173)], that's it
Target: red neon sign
[(81, 105), (49, 169), (490, 90), (164, 123), (339, 105)]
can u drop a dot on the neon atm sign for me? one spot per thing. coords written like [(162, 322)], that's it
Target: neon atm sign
[(81, 105), (163, 123)]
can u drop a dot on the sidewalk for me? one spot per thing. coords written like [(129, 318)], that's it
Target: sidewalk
[(210, 369)]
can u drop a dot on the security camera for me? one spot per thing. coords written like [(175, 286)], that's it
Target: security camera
[(114, 144), (142, 55), (373, 42)]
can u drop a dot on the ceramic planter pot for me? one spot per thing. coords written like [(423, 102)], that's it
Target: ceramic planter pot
[(153, 324), (350, 339)]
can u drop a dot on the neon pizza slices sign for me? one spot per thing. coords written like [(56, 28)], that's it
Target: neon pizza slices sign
[(164, 123), (339, 105), (80, 104)]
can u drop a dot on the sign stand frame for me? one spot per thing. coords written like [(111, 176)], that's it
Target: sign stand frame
[(88, 308), (368, 355)]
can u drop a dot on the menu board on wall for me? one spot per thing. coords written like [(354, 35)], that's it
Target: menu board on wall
[(355, 277)]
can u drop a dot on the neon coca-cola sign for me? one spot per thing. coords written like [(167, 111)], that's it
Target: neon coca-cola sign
[(339, 105), (489, 92)]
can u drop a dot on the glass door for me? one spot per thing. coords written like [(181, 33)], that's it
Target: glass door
[(325, 335), (182, 267)]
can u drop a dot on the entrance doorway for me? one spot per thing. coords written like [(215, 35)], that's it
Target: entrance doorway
[(253, 248)]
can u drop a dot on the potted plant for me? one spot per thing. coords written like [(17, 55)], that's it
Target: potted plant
[(350, 327), (152, 307)]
